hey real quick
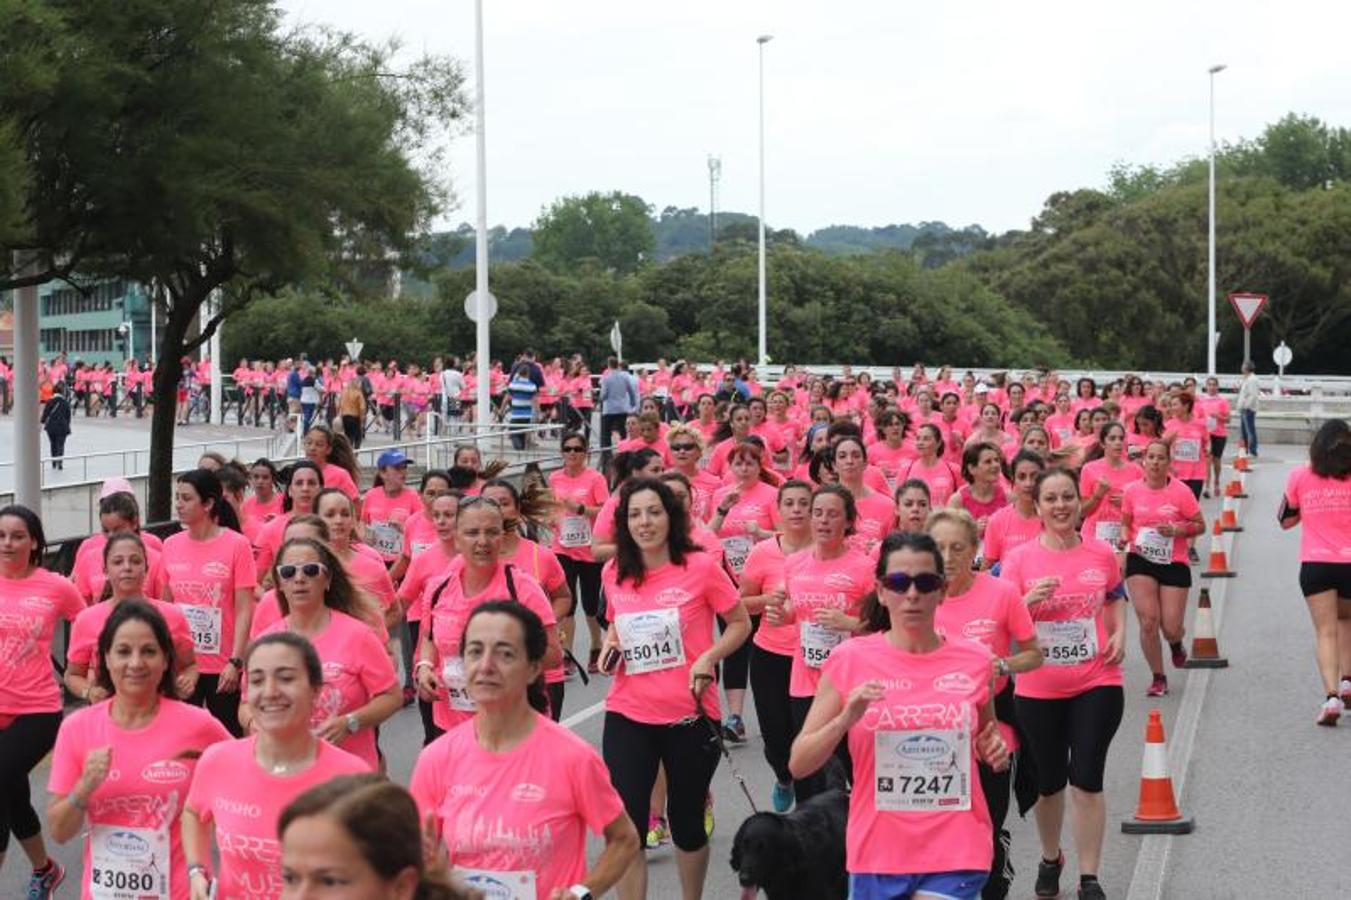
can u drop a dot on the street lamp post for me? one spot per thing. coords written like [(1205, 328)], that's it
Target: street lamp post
[(481, 248), (1210, 294), (764, 342)]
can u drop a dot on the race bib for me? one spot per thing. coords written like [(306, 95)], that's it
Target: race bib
[(205, 624), (457, 691), (817, 641), (1154, 547), (1068, 642), (501, 885), (1186, 451), (927, 770), (128, 863), (736, 549), (418, 547), (651, 640), (1211, 422), (1108, 531), (575, 531), (386, 539)]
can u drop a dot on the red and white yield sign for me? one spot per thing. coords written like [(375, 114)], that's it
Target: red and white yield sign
[(1248, 307)]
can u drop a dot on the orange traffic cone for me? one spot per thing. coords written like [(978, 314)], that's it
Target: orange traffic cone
[(1241, 461), (1205, 646), (1218, 566), (1235, 487), (1157, 812), (1229, 515)]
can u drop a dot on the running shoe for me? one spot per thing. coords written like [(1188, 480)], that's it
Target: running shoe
[(1345, 690), (1048, 877), (734, 730), (593, 663), (1179, 655), (1158, 687), (43, 884), (657, 832), (1193, 556), (1331, 711), (782, 798), (708, 815), (1091, 890)]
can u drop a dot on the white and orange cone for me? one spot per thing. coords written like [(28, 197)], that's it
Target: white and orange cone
[(1241, 463), (1229, 515), (1218, 566), (1157, 812), (1205, 645)]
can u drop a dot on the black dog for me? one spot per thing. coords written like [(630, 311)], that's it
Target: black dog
[(795, 856)]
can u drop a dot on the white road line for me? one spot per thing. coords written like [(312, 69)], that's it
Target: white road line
[(1151, 864), (582, 715)]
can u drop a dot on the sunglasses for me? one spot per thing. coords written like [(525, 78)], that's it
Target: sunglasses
[(310, 570), (676, 448), (924, 582), (574, 449)]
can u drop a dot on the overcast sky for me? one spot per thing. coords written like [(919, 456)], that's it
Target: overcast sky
[(877, 111)]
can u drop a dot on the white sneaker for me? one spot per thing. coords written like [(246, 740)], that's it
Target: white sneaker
[(1344, 689), (1331, 711)]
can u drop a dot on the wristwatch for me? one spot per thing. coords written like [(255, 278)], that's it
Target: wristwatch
[(1003, 666), (580, 892), (236, 662), (353, 723)]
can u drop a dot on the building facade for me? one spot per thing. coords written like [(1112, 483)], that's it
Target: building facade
[(108, 321)]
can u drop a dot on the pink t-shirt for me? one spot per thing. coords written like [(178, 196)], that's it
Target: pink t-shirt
[(637, 443), (96, 542), (1324, 506), (424, 573), (603, 529), (1071, 624), (572, 533), (203, 577), (385, 518), (664, 625), (840, 583), (764, 567), (419, 533), (891, 460), (244, 802), (540, 563), (139, 803), (993, 613), (524, 811), (267, 613), (29, 610), (1105, 523), (338, 477), (367, 569), (1006, 530), (1191, 448), (356, 668), (941, 478), (876, 516), (1172, 504), (757, 505), (914, 755), (448, 618), (703, 486), (254, 510), (89, 578), (266, 542), (1215, 411), (84, 634)]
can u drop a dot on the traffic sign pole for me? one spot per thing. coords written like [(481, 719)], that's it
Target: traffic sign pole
[(1248, 307)]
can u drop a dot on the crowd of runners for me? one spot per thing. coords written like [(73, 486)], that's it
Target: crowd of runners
[(921, 585)]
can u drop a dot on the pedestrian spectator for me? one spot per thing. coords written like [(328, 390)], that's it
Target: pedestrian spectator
[(56, 422), (1249, 395), (522, 401), (618, 400), (352, 410)]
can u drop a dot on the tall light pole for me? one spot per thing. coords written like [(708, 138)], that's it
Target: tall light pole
[(481, 248), (1210, 294), (764, 348)]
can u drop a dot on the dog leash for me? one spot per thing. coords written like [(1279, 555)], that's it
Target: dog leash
[(580, 669), (722, 746)]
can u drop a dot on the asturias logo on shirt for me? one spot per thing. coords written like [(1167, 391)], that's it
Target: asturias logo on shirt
[(955, 683), (525, 792), (166, 771)]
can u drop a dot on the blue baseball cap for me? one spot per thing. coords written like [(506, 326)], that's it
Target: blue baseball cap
[(391, 458)]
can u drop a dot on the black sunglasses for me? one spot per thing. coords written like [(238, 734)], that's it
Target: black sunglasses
[(924, 582), (574, 449), (309, 570), (679, 447)]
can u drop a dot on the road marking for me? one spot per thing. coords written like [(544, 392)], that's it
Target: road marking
[(1151, 864), (582, 715)]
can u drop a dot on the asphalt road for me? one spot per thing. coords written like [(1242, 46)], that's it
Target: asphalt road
[(1269, 790)]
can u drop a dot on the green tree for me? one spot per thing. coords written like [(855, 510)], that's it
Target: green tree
[(225, 152), (613, 230)]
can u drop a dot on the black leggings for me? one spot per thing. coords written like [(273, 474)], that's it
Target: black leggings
[(689, 754), (225, 707), (1068, 739), (555, 692), (430, 730), (769, 690), (996, 787), (736, 667), (584, 582), (23, 744), (806, 788)]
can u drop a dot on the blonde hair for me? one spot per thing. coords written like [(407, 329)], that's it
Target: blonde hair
[(951, 516), (682, 430)]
